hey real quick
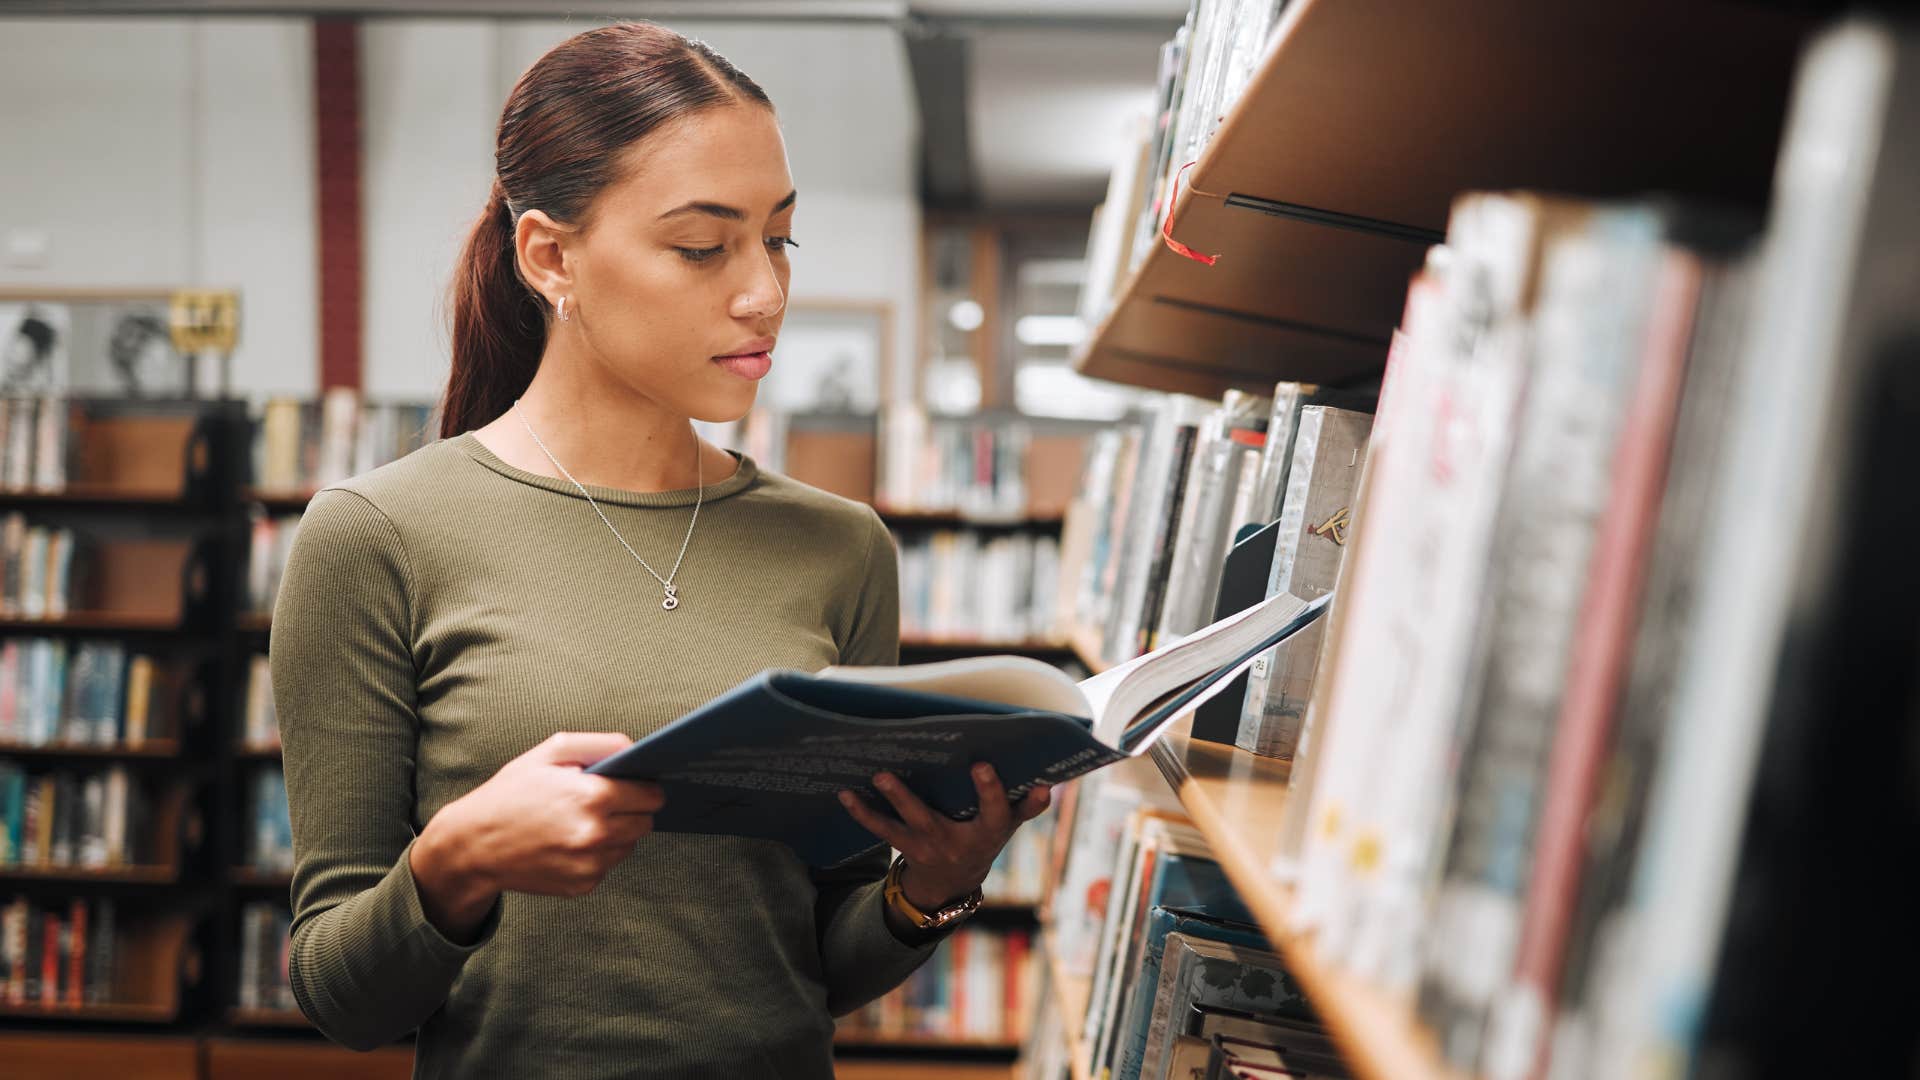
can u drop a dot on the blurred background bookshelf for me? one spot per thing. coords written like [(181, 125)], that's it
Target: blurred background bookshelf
[(1265, 339)]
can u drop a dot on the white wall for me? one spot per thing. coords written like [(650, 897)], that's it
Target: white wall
[(168, 152), (159, 152)]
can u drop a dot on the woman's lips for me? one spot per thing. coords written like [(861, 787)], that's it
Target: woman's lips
[(747, 365)]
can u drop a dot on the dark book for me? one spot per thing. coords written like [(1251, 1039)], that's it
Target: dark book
[(1243, 583), (769, 758)]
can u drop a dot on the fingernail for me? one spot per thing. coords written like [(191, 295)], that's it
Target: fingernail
[(846, 799), (983, 771)]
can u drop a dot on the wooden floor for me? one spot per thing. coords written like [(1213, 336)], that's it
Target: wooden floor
[(59, 1057)]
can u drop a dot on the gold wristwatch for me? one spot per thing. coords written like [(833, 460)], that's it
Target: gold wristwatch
[(923, 921)]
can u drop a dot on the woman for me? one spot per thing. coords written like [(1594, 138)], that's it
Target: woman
[(458, 633)]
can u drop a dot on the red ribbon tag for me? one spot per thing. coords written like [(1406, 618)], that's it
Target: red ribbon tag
[(1166, 228)]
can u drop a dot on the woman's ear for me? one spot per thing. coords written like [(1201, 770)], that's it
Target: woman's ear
[(540, 245)]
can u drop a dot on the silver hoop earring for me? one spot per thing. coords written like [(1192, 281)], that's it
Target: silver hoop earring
[(561, 309)]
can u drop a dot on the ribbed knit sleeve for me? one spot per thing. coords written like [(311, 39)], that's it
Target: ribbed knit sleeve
[(860, 956), (366, 965)]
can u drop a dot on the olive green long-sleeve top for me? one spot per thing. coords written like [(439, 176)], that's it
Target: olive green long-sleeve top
[(444, 614)]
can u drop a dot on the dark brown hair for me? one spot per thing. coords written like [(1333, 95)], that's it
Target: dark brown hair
[(563, 131)]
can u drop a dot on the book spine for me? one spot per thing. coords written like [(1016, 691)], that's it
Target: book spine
[(102, 986), (1329, 452), (76, 958), (1161, 546), (1593, 313), (1596, 671)]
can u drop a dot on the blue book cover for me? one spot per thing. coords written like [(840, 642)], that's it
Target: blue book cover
[(768, 758), (1231, 923), (1221, 917)]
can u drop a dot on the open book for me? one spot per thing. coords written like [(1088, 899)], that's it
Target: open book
[(768, 758)]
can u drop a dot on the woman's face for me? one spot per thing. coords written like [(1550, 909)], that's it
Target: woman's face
[(680, 276)]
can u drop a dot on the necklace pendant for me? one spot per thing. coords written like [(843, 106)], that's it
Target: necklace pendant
[(672, 601)]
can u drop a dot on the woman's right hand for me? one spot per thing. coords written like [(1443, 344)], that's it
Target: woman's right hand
[(539, 825)]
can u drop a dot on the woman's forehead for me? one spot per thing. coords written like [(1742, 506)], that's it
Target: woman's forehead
[(732, 156)]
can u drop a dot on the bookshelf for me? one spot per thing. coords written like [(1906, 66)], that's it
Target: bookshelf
[(148, 489), (1335, 167), (1234, 798)]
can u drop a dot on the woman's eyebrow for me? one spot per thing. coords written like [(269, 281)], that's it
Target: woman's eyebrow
[(724, 212)]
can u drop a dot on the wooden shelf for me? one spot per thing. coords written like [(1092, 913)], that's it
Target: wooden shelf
[(254, 878), (1235, 799), (257, 752), (277, 502), (867, 1040), (152, 750), (245, 1058), (94, 622), (960, 519), (921, 1069), (1072, 993), (103, 1013), (970, 647), (102, 496), (268, 1018), (1335, 170), (120, 875)]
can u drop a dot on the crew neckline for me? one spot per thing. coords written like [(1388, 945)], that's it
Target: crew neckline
[(742, 478)]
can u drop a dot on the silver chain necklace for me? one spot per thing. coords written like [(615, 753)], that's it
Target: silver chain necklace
[(673, 598)]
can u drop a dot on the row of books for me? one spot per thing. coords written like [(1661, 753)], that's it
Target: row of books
[(1163, 503), (968, 465), (33, 443), (269, 843), (85, 693), (270, 542), (301, 445), (1562, 402), (1018, 875), (37, 569), (87, 820), (57, 957), (263, 978), (979, 985), (1202, 72), (960, 584), (260, 721), (1144, 911)]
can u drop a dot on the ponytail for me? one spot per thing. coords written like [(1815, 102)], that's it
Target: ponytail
[(499, 327)]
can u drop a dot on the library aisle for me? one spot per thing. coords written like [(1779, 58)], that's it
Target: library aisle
[(1426, 486)]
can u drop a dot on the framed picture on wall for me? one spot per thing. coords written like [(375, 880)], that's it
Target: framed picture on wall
[(90, 343), (35, 343), (832, 357)]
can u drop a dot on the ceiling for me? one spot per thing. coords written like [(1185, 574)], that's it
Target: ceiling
[(1023, 105)]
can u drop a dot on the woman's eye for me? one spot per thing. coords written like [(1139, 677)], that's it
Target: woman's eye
[(699, 255), (779, 242)]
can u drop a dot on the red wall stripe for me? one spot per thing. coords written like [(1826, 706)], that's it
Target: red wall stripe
[(336, 103)]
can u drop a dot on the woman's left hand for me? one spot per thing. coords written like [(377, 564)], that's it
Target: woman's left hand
[(946, 859)]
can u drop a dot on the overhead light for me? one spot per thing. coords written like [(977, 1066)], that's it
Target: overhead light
[(1050, 330), (966, 315)]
